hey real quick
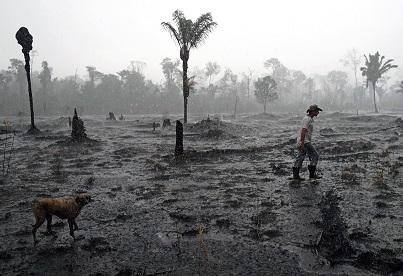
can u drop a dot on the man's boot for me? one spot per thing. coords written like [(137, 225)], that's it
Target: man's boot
[(312, 172), (295, 174)]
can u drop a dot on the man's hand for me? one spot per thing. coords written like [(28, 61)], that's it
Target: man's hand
[(301, 146)]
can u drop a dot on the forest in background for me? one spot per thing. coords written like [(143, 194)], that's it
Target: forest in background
[(213, 89)]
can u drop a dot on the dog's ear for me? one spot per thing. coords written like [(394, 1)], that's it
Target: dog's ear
[(83, 199)]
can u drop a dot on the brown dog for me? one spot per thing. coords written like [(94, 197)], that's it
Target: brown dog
[(65, 208)]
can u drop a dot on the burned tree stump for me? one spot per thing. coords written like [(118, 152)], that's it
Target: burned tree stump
[(166, 123), (179, 139), (155, 125), (111, 116), (78, 130)]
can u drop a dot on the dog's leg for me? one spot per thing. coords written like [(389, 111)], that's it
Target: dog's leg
[(40, 219), (49, 223), (71, 226), (75, 225)]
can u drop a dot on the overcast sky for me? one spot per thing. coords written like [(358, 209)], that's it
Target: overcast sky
[(308, 35)]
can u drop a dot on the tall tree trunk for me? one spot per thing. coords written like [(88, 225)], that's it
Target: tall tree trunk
[(31, 103), (373, 90), (185, 82), (236, 103), (185, 110), (179, 139)]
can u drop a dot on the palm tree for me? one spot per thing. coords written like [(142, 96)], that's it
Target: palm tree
[(374, 69), (188, 35)]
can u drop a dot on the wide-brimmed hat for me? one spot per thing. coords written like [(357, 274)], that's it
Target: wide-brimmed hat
[(313, 107)]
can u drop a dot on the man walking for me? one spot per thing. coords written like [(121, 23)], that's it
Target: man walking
[(304, 144)]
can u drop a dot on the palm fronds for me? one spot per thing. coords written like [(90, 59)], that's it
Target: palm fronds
[(203, 26), (172, 31), (187, 33), (375, 67)]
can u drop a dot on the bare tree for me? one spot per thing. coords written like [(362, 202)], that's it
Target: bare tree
[(25, 39), (248, 78), (234, 88), (34, 53), (400, 88), (352, 60)]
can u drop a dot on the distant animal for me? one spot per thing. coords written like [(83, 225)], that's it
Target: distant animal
[(65, 208)]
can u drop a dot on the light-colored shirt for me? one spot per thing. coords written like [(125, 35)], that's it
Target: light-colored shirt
[(307, 123)]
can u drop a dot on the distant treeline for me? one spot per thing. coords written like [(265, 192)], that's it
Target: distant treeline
[(212, 91)]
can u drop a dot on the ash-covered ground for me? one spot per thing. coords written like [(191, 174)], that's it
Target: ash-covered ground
[(227, 207)]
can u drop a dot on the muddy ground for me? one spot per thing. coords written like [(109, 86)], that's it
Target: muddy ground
[(226, 208)]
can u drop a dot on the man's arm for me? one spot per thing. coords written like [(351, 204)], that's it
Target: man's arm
[(302, 138)]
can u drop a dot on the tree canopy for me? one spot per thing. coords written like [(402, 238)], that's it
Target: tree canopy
[(265, 90)]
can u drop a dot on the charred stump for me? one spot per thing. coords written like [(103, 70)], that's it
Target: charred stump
[(111, 116), (179, 139), (78, 130), (166, 123)]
